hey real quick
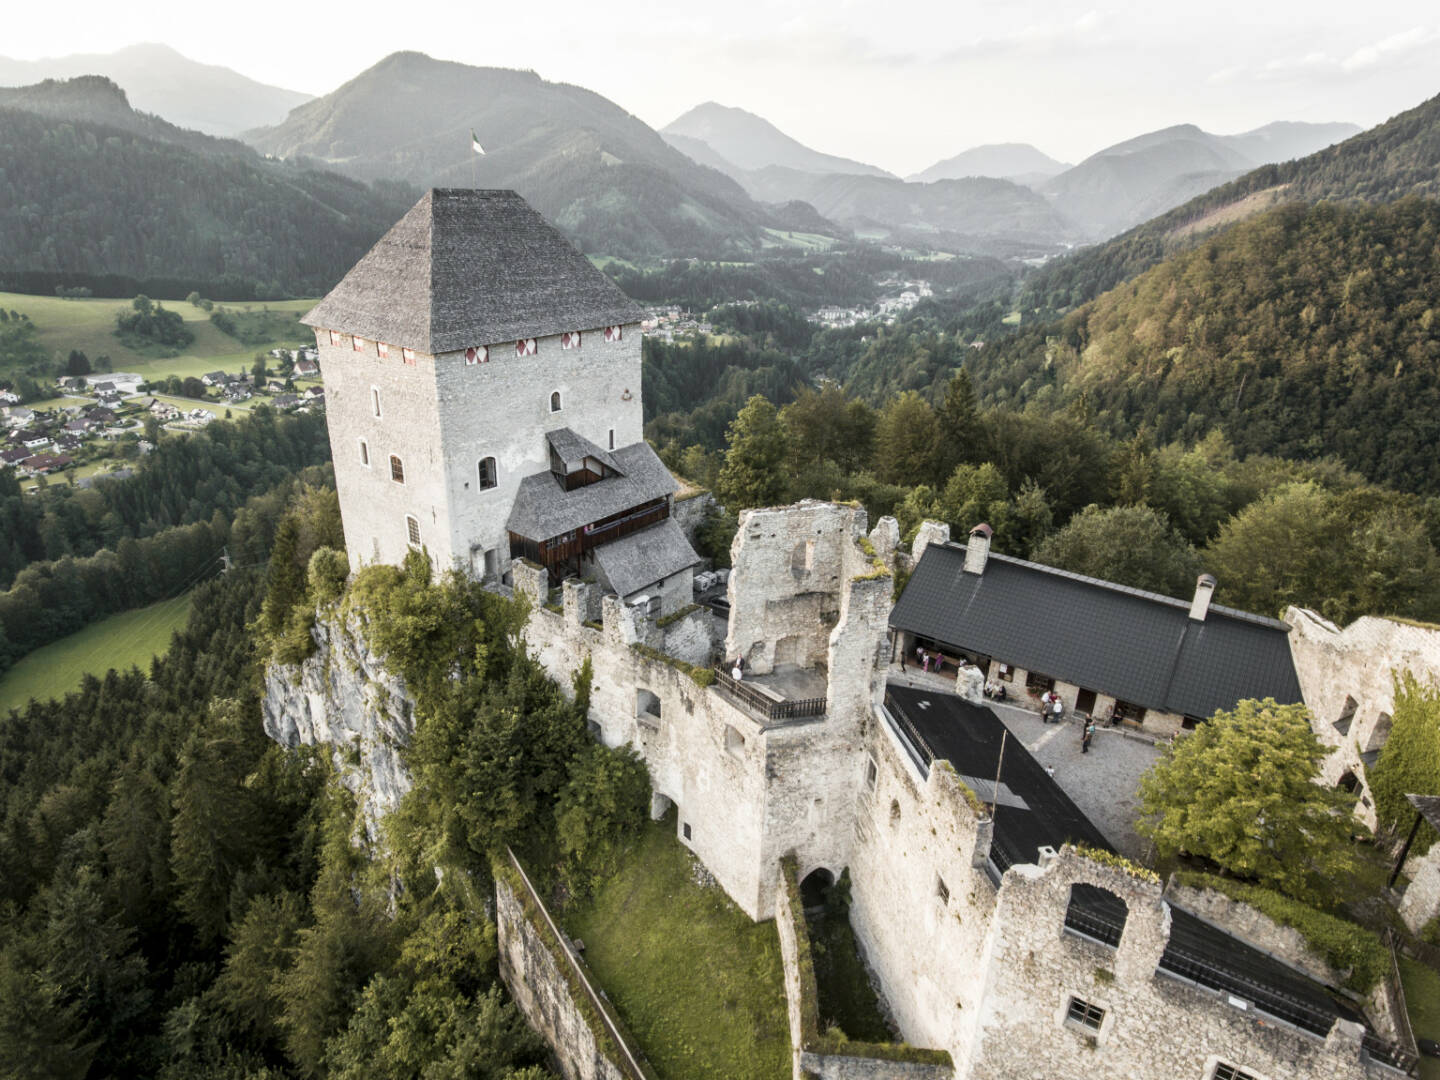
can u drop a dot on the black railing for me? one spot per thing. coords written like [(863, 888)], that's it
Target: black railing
[(753, 699), (1277, 1003), (1096, 914), (920, 751)]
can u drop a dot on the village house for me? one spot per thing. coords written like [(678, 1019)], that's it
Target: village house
[(306, 368)]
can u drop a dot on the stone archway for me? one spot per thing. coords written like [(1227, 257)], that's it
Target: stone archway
[(815, 888)]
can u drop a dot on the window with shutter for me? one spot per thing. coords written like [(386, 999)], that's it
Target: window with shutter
[(526, 347), (407, 356), (570, 340), (612, 333), (382, 350), (357, 343), (489, 475), (479, 354), (334, 337)]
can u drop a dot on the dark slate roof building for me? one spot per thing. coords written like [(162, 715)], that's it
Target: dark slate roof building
[(428, 286), (636, 561), (1188, 658), (544, 508)]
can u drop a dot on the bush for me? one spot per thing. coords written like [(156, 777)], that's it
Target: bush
[(326, 574)]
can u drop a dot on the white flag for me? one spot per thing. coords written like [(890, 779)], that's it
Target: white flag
[(475, 142)]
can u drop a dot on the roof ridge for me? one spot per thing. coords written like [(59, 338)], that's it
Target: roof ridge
[(1130, 590)]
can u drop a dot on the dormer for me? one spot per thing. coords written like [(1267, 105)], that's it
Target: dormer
[(576, 462)]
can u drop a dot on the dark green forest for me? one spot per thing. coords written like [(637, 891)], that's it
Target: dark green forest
[(185, 898), (81, 200), (1305, 332)]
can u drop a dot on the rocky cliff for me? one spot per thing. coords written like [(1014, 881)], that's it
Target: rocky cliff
[(343, 697)]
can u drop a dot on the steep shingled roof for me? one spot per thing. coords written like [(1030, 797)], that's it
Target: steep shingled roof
[(1137, 646), (543, 508), (650, 555), (466, 267)]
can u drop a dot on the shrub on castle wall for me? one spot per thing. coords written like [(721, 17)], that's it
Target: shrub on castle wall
[(1116, 862), (701, 676)]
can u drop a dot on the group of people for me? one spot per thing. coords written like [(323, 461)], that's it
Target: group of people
[(929, 661), (1052, 709), (995, 690)]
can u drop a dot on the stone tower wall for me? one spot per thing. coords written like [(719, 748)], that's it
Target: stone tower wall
[(441, 417)]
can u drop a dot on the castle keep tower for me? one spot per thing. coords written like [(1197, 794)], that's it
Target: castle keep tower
[(482, 389)]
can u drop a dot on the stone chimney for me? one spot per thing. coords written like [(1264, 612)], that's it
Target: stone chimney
[(1204, 590), (977, 551)]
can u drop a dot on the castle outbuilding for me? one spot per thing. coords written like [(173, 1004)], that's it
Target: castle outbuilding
[(482, 387)]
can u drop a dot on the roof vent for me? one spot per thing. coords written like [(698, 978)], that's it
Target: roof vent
[(1204, 590), (977, 551)]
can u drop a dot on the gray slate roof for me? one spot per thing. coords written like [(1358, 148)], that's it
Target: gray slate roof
[(466, 267), (1429, 807), (544, 509), (573, 449), (645, 557), (1137, 646)]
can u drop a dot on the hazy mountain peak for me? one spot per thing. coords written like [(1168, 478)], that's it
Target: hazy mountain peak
[(1000, 160), (749, 142), (157, 79)]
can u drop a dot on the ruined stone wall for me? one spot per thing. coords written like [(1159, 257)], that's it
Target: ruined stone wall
[(546, 990), (920, 902), (1256, 928), (1336, 666), (1154, 1026), (788, 568), (690, 510), (747, 789), (342, 697), (1421, 902)]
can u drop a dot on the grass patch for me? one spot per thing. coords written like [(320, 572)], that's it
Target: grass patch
[(699, 984), (120, 641), (89, 325), (847, 1000), (1422, 999)]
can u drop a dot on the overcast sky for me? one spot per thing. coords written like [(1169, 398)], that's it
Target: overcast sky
[(898, 84)]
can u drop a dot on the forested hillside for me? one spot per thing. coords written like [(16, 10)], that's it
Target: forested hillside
[(1397, 158), (130, 195), (1306, 331)]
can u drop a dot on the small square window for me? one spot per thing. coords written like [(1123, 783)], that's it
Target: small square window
[(1225, 1071), (1085, 1014), (382, 350), (685, 829), (1007, 673)]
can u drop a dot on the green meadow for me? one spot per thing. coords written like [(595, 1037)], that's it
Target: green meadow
[(129, 638)]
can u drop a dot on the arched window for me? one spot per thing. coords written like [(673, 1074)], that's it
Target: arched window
[(375, 399), (555, 401), (364, 453), (489, 476), (397, 469), (1096, 913), (412, 530)]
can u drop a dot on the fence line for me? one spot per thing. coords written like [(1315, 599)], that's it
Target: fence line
[(751, 698), (629, 1062)]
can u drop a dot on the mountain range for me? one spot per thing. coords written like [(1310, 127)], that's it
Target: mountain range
[(94, 193), (746, 141), (157, 79)]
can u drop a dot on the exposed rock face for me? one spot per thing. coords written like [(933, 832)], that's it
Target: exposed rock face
[(343, 697)]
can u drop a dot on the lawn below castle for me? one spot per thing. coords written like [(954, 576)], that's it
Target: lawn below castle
[(699, 985)]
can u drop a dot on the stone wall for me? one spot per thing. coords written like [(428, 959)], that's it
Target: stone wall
[(442, 416), (1255, 928), (343, 697), (1154, 1025), (1346, 679), (690, 509), (1421, 902), (542, 978)]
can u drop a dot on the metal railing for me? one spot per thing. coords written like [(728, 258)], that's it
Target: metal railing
[(753, 699), (1191, 967), (1094, 925), (919, 749)]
